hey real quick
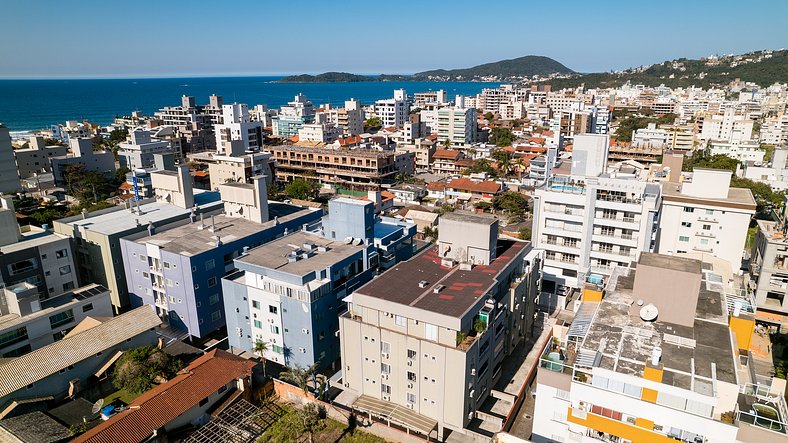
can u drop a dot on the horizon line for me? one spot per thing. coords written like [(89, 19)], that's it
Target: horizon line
[(177, 76)]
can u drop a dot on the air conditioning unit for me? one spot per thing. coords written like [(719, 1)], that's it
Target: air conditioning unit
[(385, 355), (385, 398), (385, 376), (305, 331), (410, 405), (410, 362), (410, 385), (347, 385), (473, 371)]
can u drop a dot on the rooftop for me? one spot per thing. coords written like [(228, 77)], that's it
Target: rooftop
[(16, 373), (52, 303), (737, 197), (360, 152), (461, 288), (188, 239), (470, 217), (692, 356), (274, 254), (34, 427), (168, 401), (116, 220)]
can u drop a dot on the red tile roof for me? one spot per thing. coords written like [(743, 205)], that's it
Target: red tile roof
[(466, 184), (537, 140), (464, 162), (168, 401), (352, 140), (450, 154), (437, 186)]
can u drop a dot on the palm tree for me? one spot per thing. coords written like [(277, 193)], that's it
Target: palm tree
[(299, 376), (520, 163), (260, 348)]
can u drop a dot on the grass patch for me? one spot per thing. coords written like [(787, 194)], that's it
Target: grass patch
[(121, 396), (330, 430)]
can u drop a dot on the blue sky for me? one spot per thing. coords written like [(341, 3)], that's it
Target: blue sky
[(43, 38)]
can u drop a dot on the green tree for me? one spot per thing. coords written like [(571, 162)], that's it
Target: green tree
[(501, 136), (513, 202), (137, 369), (373, 123), (504, 159), (260, 348), (300, 376), (524, 233), (765, 197), (489, 116), (482, 165), (301, 189), (120, 175)]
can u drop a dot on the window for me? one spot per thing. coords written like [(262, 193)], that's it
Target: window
[(686, 209), (431, 332), (203, 402), (411, 354), (216, 315), (210, 264), (87, 307), (710, 212), (22, 266), (166, 265), (14, 336), (385, 368), (707, 227), (686, 224), (411, 398), (214, 299), (400, 320), (65, 270), (61, 318), (144, 258), (704, 241), (63, 253), (683, 238), (212, 282), (385, 348), (169, 282), (255, 304), (273, 309), (411, 376), (258, 324), (275, 329), (385, 389), (67, 286)]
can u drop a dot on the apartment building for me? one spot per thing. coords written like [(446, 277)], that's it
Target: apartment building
[(140, 149), (177, 268), (319, 133), (428, 337), (774, 130), (490, 99), (357, 169), (654, 356), (423, 150), (743, 151), (457, 125), (237, 134), (292, 117), (705, 215), (97, 234), (194, 123), (769, 270), (34, 160), (393, 112), (350, 119), (29, 321), (82, 154), (775, 173), (444, 161), (728, 127), (590, 225), (34, 256), (650, 136)]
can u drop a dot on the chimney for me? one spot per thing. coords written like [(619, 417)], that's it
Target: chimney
[(656, 354), (213, 224), (202, 222), (151, 228)]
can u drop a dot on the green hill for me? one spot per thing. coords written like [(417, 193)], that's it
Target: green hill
[(759, 67), (327, 77), (528, 65)]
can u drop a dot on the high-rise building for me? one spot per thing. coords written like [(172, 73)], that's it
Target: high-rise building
[(457, 125), (393, 112), (9, 176)]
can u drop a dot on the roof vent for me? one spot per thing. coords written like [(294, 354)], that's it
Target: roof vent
[(423, 284), (438, 288)]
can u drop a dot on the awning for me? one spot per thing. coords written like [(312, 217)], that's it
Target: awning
[(396, 413), (108, 364)]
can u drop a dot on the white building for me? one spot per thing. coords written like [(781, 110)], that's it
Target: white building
[(457, 125), (590, 225), (318, 132), (138, 152), (237, 133), (589, 154), (705, 216), (729, 126), (742, 151), (655, 358), (650, 136), (775, 174), (774, 131), (393, 111)]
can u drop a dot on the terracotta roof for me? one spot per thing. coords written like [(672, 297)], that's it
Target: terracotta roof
[(168, 401), (437, 186), (352, 140), (294, 139), (466, 184), (537, 140), (464, 163), (202, 174), (126, 186), (450, 154)]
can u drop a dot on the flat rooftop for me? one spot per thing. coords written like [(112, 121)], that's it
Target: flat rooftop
[(675, 263), (463, 288), (737, 197), (33, 237), (52, 303), (187, 239), (119, 219), (691, 356), (470, 217), (274, 254)]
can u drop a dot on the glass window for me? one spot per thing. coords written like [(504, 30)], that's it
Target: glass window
[(216, 315), (87, 307), (65, 270), (411, 398), (61, 318), (400, 320), (258, 324), (214, 299), (212, 282), (683, 238), (273, 309), (431, 332), (255, 304), (14, 336), (210, 264), (275, 329), (61, 253)]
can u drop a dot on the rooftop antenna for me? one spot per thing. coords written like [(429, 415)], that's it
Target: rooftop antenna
[(202, 222)]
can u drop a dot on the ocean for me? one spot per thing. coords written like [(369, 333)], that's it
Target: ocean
[(27, 105)]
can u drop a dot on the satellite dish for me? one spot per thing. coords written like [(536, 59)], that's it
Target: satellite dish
[(97, 406), (649, 312), (640, 302)]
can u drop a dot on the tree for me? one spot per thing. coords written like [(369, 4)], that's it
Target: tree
[(489, 116), (482, 165), (301, 189), (504, 159), (447, 142), (120, 175), (430, 232), (765, 197), (524, 233), (310, 419), (138, 369), (501, 136), (260, 348), (511, 201), (373, 123), (300, 376)]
